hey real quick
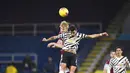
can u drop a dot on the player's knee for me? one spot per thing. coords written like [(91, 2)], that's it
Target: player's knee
[(72, 69), (71, 72), (63, 66)]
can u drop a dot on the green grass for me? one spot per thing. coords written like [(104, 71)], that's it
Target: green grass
[(100, 71)]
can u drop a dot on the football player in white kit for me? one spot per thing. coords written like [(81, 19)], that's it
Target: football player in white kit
[(120, 62)]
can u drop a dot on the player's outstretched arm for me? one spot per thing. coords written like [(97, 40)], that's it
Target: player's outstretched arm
[(97, 35), (53, 38), (55, 45), (49, 39)]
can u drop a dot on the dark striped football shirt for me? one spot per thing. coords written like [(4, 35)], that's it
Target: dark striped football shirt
[(119, 64), (71, 42)]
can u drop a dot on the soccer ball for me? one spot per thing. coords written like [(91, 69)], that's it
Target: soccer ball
[(63, 12)]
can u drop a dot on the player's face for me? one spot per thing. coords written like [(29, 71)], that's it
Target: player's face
[(112, 54), (118, 51), (73, 33), (63, 28)]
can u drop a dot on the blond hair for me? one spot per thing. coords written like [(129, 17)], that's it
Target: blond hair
[(64, 24)]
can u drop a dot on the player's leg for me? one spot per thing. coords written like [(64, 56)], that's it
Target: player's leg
[(73, 63), (64, 60), (60, 69), (63, 68), (73, 69), (67, 68)]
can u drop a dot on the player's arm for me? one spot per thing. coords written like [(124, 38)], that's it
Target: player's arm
[(111, 63), (49, 39), (128, 63), (58, 45), (106, 68), (53, 38), (97, 35), (55, 45)]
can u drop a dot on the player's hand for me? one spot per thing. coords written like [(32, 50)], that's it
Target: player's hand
[(104, 34), (44, 40)]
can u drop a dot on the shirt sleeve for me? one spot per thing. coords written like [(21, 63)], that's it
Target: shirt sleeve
[(128, 63), (61, 35), (81, 35), (111, 63)]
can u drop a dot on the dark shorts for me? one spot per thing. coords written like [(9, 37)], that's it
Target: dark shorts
[(69, 58)]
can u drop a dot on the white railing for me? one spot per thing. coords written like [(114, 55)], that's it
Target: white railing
[(35, 26), (13, 56)]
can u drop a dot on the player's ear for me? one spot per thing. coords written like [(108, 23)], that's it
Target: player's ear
[(121, 51)]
